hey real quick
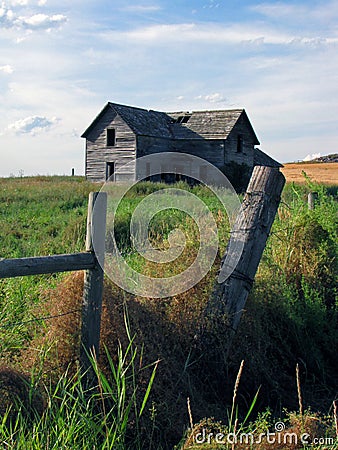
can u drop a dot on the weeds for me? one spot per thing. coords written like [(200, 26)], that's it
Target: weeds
[(308, 430), (73, 416), (290, 319)]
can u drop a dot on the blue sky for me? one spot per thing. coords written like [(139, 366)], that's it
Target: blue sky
[(61, 61)]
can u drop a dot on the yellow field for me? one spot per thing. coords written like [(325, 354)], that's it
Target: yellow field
[(326, 173)]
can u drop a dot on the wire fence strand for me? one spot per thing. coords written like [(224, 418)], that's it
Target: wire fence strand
[(38, 319)]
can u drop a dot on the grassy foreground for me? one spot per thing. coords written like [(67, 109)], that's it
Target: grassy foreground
[(290, 321)]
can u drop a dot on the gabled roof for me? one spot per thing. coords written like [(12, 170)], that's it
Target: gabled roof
[(141, 121), (208, 124), (144, 122), (177, 125)]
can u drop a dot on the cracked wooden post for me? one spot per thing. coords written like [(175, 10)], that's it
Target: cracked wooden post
[(252, 227), (93, 284)]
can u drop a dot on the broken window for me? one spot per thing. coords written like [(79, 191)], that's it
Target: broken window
[(111, 137), (182, 119), (239, 143), (110, 171)]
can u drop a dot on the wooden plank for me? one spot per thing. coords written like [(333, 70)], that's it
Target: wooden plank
[(252, 227), (18, 267), (93, 283)]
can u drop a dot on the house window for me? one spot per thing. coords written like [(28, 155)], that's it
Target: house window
[(239, 143), (183, 119), (110, 171), (111, 137)]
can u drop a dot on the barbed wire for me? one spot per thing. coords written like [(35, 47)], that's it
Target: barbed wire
[(39, 319)]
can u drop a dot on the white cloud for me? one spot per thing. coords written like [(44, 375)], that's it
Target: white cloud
[(324, 11), (211, 33), (312, 157), (141, 8), (212, 4), (17, 2), (9, 19), (7, 69), (42, 21), (14, 3), (32, 125), (279, 9), (212, 98)]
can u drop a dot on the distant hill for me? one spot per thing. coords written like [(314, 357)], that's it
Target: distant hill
[(326, 159)]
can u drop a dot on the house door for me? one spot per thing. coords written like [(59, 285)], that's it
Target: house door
[(110, 171)]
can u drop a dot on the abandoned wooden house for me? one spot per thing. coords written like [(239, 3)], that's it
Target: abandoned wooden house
[(120, 134)]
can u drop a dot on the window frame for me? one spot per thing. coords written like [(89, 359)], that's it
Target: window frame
[(110, 173), (240, 143), (110, 137)]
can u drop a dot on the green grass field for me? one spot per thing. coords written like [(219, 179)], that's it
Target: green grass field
[(290, 319)]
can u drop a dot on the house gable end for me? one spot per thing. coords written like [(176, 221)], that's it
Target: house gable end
[(110, 145), (242, 130), (96, 123), (245, 120)]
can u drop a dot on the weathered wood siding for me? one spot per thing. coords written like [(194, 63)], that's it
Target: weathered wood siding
[(218, 152), (211, 150), (147, 145), (98, 154)]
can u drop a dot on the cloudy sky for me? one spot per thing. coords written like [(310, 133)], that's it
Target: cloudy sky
[(61, 61)]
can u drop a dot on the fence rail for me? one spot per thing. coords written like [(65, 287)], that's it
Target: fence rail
[(89, 261), (252, 228), (17, 267)]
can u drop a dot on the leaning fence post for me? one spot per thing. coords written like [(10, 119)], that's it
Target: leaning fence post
[(93, 281), (252, 228)]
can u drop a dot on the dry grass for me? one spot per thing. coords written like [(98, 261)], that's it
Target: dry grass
[(15, 394), (285, 323), (326, 173), (311, 427)]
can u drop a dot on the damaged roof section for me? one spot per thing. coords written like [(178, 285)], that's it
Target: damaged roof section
[(178, 125), (207, 124)]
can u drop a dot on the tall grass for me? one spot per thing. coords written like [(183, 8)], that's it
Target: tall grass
[(38, 216), (72, 416), (290, 318), (41, 216)]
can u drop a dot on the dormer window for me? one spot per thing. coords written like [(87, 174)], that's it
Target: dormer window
[(182, 119), (239, 143), (111, 137)]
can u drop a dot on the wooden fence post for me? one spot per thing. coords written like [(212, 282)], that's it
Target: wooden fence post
[(93, 283), (312, 198), (252, 228)]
